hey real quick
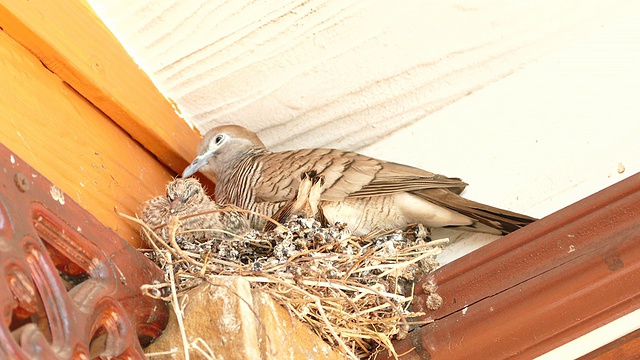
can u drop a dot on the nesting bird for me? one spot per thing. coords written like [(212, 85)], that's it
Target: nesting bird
[(366, 193), (188, 201)]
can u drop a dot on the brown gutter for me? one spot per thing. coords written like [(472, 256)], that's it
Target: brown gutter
[(540, 287)]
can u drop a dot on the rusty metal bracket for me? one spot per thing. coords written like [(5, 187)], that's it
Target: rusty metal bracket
[(539, 287), (69, 287)]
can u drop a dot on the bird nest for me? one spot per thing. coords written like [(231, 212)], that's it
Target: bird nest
[(355, 292)]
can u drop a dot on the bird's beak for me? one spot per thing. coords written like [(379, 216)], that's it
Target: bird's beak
[(196, 164)]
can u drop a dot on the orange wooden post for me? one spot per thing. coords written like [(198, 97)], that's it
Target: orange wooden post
[(75, 106)]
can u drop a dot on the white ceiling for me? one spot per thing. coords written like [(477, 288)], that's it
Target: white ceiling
[(531, 102), (534, 103), (337, 73)]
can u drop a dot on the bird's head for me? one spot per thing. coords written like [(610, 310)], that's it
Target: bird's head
[(183, 193), (221, 147)]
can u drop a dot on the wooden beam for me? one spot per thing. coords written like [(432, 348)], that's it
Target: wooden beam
[(72, 143), (537, 288), (72, 42)]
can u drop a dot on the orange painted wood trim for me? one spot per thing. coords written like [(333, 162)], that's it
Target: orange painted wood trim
[(537, 288), (72, 143), (72, 42)]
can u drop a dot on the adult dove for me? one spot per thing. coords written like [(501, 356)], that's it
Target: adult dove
[(365, 193)]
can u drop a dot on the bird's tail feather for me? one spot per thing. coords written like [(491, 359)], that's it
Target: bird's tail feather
[(486, 216)]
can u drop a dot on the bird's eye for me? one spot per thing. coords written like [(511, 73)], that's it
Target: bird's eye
[(187, 194), (218, 139)]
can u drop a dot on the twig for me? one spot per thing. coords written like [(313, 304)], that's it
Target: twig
[(174, 294)]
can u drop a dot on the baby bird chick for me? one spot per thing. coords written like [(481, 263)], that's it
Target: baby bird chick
[(187, 200)]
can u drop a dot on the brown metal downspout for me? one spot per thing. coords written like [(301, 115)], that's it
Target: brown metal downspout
[(538, 288)]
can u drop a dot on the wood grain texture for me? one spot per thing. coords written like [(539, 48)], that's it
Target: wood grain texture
[(73, 43), (538, 288), (342, 74), (72, 143)]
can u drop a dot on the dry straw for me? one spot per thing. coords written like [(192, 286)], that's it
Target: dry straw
[(355, 292)]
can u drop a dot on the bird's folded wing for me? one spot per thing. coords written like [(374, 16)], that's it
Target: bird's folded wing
[(346, 174), (408, 184)]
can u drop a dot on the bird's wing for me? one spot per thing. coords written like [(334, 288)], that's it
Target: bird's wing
[(393, 178), (346, 174)]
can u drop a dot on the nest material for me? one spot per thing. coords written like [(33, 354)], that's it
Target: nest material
[(354, 292)]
